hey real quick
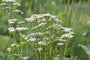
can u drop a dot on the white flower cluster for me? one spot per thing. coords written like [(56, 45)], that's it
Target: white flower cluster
[(40, 25), (21, 28), (17, 4), (16, 11), (88, 22), (67, 36), (42, 18), (11, 29), (6, 8), (32, 39), (49, 21), (44, 31), (3, 4), (9, 1), (12, 21), (35, 34)]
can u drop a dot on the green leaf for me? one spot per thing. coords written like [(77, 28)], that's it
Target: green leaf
[(86, 49), (78, 51)]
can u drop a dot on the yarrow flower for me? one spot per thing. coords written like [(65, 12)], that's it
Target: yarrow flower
[(60, 43), (12, 21), (21, 28), (88, 22), (67, 29), (9, 49), (11, 29), (40, 25), (41, 43), (39, 49), (32, 39), (13, 45), (45, 31), (25, 58), (9, 1), (6, 8), (67, 36), (16, 11), (3, 4), (17, 4)]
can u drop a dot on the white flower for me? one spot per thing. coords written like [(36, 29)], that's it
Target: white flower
[(71, 32), (53, 2), (13, 45), (9, 1), (46, 15), (3, 4), (31, 19), (43, 19), (9, 49), (40, 25), (12, 21), (36, 34), (32, 39), (39, 49), (22, 43), (84, 34), (67, 35), (17, 4), (21, 22), (25, 58), (39, 16), (57, 20), (60, 43), (11, 29), (17, 45), (41, 43), (16, 11), (59, 39), (55, 26), (56, 58), (21, 28), (88, 22), (6, 8), (16, 54), (67, 29)]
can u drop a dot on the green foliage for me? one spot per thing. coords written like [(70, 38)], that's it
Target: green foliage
[(80, 51), (5, 42)]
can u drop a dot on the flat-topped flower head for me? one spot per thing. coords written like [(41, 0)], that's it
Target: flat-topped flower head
[(9, 1), (67, 36), (11, 29), (32, 40), (88, 22), (13, 45), (17, 4), (12, 21), (39, 49), (9, 49), (25, 58), (67, 29), (2, 4), (60, 43), (21, 28), (18, 11)]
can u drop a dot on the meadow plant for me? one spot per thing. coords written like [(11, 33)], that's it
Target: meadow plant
[(42, 33), (9, 8)]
